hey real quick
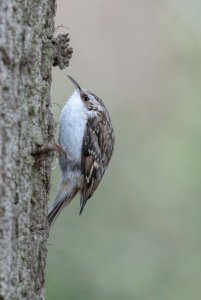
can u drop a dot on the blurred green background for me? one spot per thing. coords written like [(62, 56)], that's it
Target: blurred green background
[(139, 236)]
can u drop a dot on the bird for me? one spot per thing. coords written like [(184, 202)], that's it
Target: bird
[(85, 146)]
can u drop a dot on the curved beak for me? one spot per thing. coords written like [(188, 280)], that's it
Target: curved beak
[(76, 85)]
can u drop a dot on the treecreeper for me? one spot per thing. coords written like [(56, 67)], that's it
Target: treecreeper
[(85, 146)]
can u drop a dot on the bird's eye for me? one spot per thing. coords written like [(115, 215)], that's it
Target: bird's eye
[(85, 98)]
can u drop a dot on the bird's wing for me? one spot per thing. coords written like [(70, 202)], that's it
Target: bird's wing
[(97, 150)]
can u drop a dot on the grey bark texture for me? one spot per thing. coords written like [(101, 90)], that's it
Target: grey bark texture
[(27, 53)]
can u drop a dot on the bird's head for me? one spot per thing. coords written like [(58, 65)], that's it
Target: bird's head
[(90, 101)]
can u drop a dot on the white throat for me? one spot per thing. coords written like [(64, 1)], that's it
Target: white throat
[(72, 126)]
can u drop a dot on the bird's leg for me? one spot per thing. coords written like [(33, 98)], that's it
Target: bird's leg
[(59, 150), (43, 150)]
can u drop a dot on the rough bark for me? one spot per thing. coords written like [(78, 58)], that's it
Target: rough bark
[(27, 54)]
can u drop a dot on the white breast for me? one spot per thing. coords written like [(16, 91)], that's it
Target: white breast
[(72, 126)]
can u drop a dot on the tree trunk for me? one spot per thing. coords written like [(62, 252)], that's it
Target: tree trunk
[(27, 53)]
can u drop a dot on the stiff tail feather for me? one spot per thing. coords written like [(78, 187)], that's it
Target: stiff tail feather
[(64, 196)]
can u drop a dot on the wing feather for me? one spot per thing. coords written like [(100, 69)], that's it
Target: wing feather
[(98, 143)]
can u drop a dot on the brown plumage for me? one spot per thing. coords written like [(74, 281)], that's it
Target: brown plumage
[(97, 150)]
